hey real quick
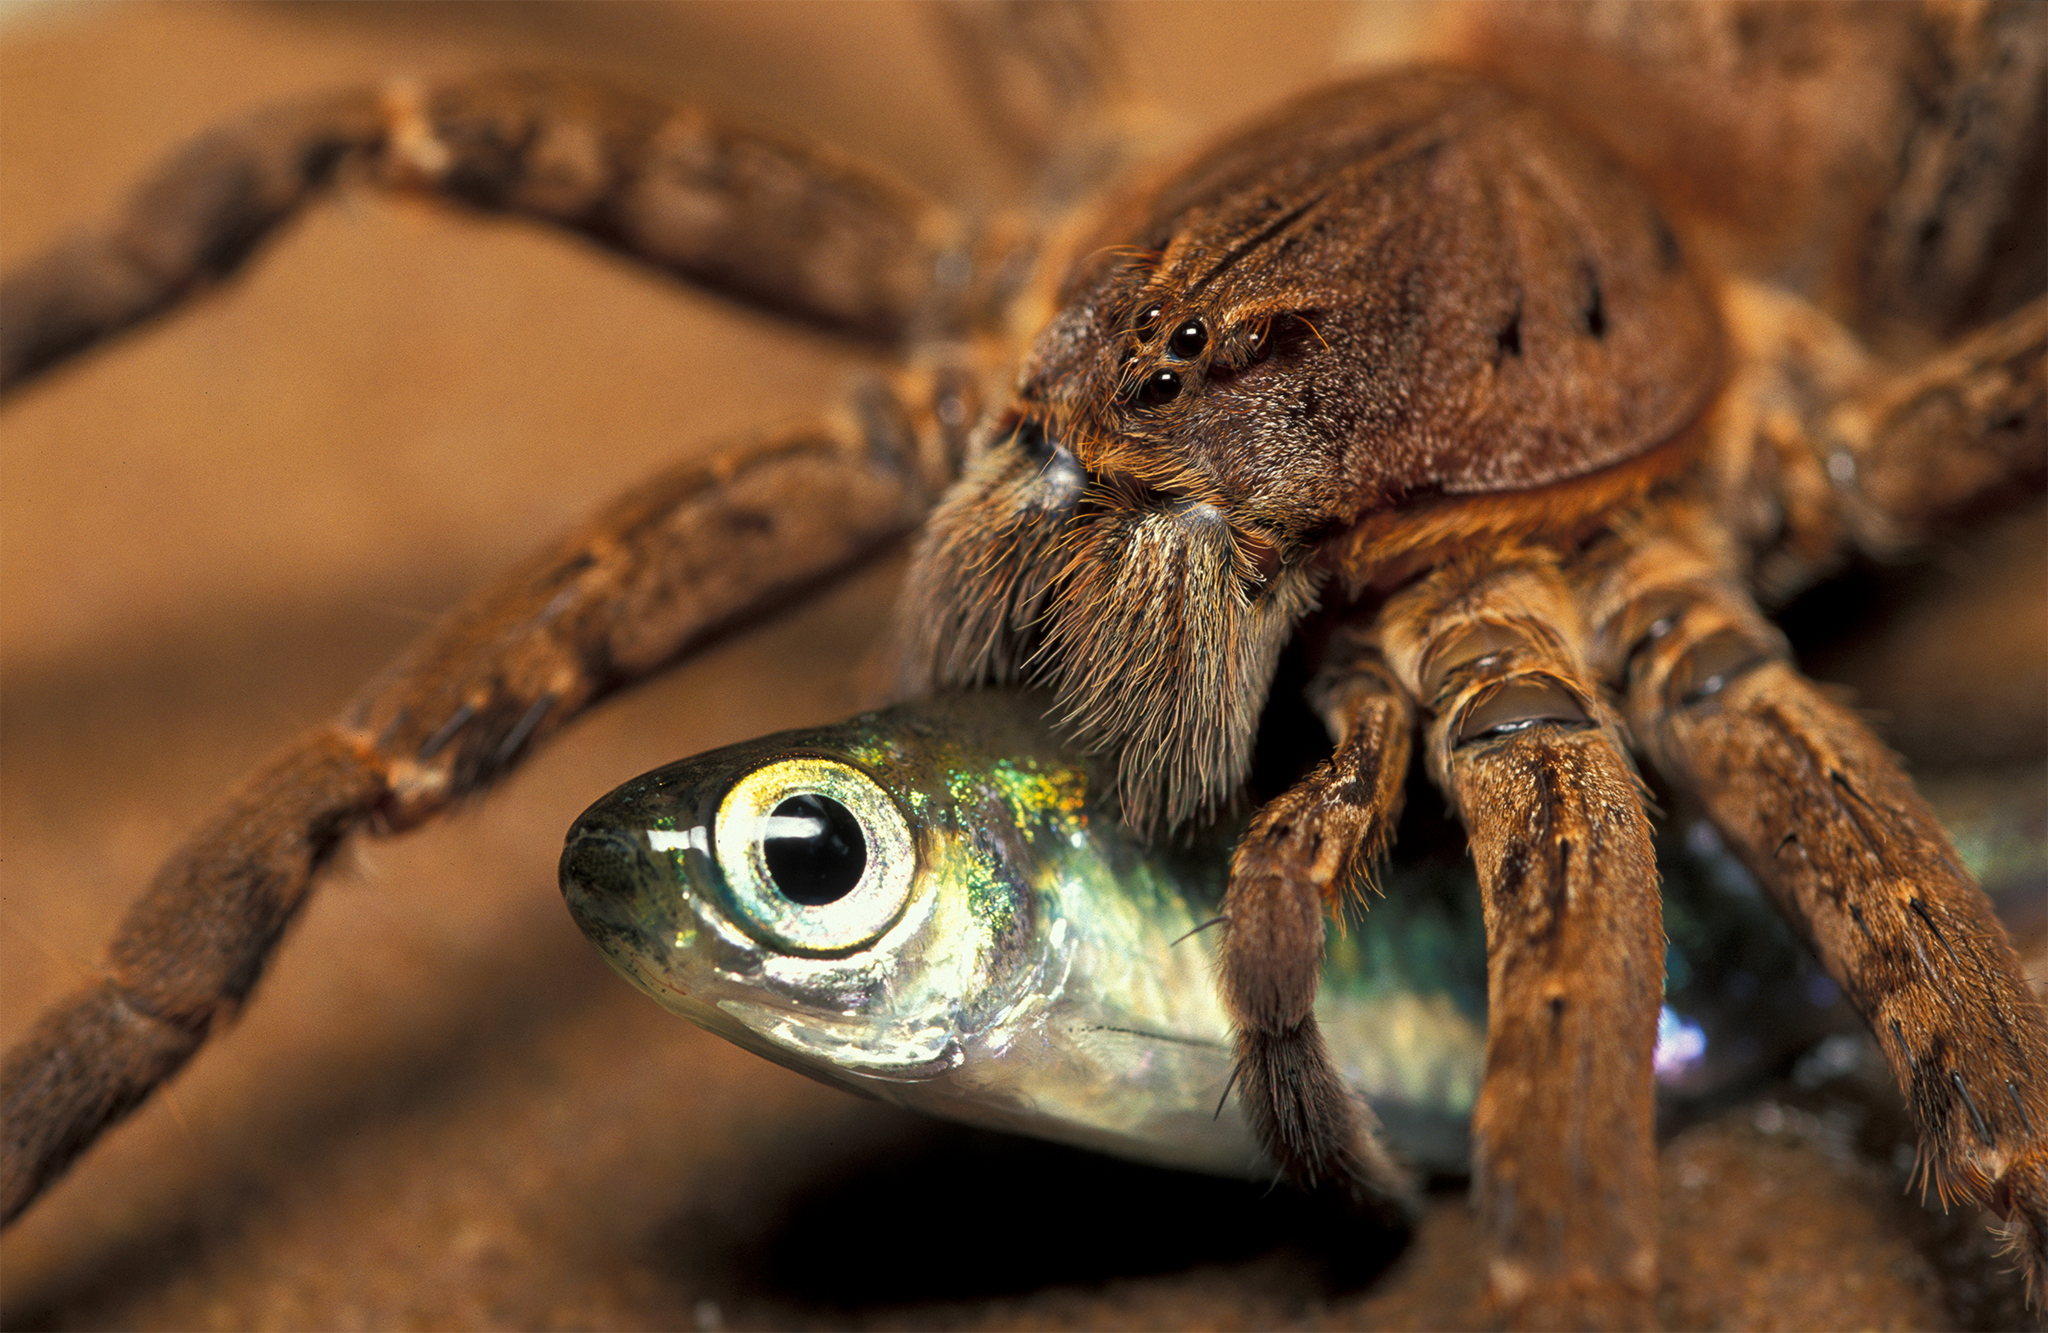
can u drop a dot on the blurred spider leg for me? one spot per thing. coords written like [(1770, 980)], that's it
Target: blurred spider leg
[(1303, 851), (1049, 88), (1912, 449), (1564, 1156), (1820, 448), (1827, 819), (182, 230), (685, 556), (788, 227)]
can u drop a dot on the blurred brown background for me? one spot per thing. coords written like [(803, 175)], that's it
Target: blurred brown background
[(442, 1110)]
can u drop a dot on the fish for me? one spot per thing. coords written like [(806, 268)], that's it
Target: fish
[(932, 905)]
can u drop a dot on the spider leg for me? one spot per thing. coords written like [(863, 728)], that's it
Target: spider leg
[(1827, 819), (1301, 853), (671, 564), (1049, 88), (1564, 1158), (1822, 448), (784, 225), (1912, 450)]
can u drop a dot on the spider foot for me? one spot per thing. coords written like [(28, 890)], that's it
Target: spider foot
[(1325, 1139), (2021, 1196), (1297, 1104), (1586, 1300)]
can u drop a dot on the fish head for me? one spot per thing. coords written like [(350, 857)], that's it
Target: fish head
[(867, 902)]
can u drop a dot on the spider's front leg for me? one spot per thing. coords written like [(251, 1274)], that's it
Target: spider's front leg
[(783, 225), (786, 225), (1303, 851), (1564, 1159), (1828, 820), (674, 562)]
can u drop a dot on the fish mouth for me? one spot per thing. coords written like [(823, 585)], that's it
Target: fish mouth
[(604, 871), (636, 875), (632, 905)]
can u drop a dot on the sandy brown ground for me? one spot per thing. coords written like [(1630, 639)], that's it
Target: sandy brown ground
[(443, 1111)]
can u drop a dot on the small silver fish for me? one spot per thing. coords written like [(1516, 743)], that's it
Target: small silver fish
[(927, 905)]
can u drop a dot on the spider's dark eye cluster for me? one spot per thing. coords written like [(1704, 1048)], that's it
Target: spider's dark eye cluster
[(1189, 339), (1163, 359)]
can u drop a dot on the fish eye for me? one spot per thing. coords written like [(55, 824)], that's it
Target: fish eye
[(816, 856), (814, 849)]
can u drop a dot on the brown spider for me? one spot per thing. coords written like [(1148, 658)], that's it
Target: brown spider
[(1270, 547)]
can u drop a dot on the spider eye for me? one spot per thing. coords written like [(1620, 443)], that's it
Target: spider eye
[(1161, 386), (1147, 321), (816, 857), (1188, 340)]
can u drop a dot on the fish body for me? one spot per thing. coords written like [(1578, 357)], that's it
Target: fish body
[(929, 905)]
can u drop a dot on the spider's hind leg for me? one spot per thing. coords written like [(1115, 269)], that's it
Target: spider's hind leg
[(1827, 819)]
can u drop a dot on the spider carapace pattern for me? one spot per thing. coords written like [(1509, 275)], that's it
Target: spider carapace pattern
[(1511, 409)]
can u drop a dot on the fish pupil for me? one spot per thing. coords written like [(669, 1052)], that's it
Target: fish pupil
[(815, 850)]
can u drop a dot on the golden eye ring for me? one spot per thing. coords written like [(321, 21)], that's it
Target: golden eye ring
[(816, 857)]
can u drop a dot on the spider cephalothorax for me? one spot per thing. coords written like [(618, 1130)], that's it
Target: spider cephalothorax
[(1437, 293), (1517, 426)]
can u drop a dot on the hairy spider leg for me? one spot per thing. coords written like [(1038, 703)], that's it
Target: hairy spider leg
[(1532, 759), (667, 567), (784, 225), (1304, 851), (1827, 819)]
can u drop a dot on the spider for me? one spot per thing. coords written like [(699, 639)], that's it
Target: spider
[(1583, 705)]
